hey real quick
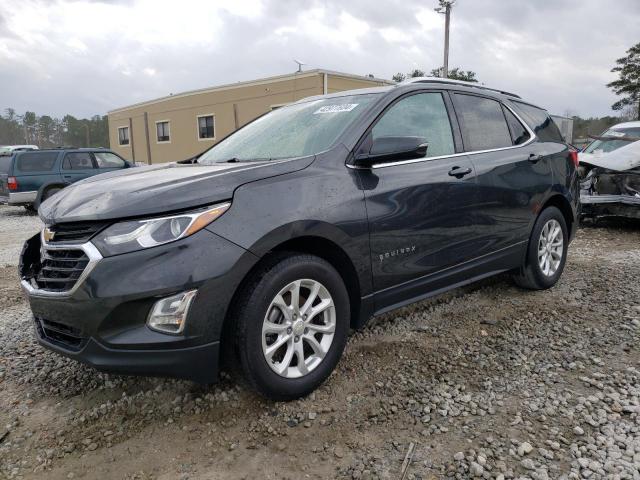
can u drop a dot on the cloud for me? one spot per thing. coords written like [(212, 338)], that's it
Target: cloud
[(86, 57)]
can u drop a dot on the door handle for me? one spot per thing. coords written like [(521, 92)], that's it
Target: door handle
[(68, 176), (533, 158), (458, 172)]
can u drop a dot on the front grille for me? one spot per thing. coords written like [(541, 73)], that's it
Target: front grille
[(78, 232), (58, 333), (60, 269)]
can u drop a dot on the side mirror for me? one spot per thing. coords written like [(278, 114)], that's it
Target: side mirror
[(393, 149)]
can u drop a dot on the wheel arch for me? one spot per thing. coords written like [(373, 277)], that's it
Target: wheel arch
[(337, 257), (321, 247), (562, 204), (44, 188)]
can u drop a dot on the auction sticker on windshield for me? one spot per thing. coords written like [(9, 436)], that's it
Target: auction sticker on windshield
[(345, 107)]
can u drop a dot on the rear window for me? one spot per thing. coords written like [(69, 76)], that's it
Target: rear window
[(540, 122), (77, 161), (518, 132), (482, 122), (36, 161), (5, 163)]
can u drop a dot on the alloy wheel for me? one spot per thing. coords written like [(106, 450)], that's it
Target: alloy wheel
[(550, 247), (298, 328)]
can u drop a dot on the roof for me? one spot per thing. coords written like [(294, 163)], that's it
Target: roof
[(261, 81), (456, 82)]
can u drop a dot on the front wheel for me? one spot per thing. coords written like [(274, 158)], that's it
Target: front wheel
[(546, 253), (291, 323)]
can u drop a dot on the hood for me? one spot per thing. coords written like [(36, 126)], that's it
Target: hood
[(157, 189), (620, 160)]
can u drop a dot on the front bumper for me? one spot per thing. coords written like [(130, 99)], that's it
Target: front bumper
[(610, 206), (19, 198), (101, 321)]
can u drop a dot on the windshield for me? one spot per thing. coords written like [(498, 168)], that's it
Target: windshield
[(296, 130), (609, 145)]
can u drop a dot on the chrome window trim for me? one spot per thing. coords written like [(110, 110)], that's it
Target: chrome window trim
[(90, 251), (532, 138)]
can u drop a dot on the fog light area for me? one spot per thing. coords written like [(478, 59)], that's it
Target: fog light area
[(169, 314)]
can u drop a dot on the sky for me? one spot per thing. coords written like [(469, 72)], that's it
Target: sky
[(87, 57)]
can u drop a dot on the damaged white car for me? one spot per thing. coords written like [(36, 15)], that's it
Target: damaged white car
[(610, 173)]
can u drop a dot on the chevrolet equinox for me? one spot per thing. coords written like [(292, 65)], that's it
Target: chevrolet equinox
[(300, 225)]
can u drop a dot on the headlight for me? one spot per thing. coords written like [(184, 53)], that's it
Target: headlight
[(134, 235)]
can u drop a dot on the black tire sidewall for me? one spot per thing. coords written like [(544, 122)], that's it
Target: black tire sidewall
[(253, 361), (544, 281)]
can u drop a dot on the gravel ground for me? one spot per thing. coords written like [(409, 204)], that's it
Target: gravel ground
[(16, 225), (488, 381)]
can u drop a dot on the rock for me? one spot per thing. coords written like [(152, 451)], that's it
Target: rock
[(528, 464), (578, 431), (476, 469), (524, 448), (459, 456)]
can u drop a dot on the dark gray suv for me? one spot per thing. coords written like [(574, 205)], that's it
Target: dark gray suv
[(296, 228)]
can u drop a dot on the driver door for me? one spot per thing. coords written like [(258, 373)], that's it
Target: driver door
[(421, 211)]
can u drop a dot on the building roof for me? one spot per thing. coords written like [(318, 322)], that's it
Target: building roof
[(261, 81)]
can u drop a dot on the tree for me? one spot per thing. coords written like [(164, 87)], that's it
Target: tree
[(416, 72), (46, 131), (30, 124), (456, 74), (628, 83)]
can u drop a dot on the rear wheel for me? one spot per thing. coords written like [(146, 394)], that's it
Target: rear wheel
[(291, 324), (546, 253)]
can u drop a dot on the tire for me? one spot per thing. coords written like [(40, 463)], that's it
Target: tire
[(531, 274), (30, 209), (260, 323)]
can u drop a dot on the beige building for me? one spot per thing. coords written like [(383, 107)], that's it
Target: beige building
[(180, 126)]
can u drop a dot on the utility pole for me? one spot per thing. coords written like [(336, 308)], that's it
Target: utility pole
[(445, 8)]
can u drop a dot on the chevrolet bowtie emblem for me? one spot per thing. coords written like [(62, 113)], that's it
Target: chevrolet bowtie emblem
[(48, 234)]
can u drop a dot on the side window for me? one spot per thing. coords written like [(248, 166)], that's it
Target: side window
[(420, 115), (519, 134), (540, 122), (162, 132), (77, 161), (36, 162), (108, 160), (206, 127), (482, 123), (123, 135)]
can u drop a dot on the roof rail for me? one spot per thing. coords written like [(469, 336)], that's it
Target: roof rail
[(455, 82)]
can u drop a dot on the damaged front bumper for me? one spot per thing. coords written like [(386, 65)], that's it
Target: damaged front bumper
[(610, 206)]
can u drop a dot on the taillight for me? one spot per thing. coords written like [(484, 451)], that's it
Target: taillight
[(573, 155), (12, 183)]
